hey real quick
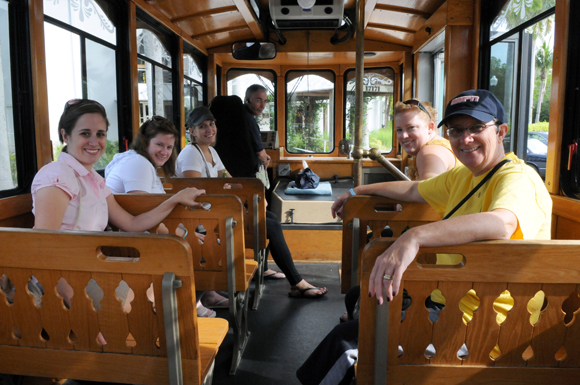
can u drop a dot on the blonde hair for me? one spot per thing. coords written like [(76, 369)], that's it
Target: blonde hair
[(402, 107)]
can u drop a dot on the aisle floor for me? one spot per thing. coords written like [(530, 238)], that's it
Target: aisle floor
[(284, 331)]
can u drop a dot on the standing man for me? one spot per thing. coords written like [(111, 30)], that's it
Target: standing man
[(255, 102)]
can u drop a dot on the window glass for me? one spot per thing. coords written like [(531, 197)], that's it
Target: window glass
[(378, 100), (502, 80), (8, 173), (100, 60), (79, 67), (149, 45), (63, 75), (191, 69), (521, 78), (310, 112), (155, 77), (89, 16), (238, 81), (517, 12)]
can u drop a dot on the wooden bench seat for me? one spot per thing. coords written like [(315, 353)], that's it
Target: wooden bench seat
[(252, 194), (365, 211), (218, 264), (517, 325), (148, 343)]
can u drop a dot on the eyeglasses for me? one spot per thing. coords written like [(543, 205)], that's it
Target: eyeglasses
[(73, 102), (205, 126), (457, 132), (413, 102)]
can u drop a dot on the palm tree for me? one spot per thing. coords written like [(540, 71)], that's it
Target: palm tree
[(544, 60)]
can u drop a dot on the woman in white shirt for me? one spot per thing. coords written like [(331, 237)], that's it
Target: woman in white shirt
[(135, 172), (199, 159)]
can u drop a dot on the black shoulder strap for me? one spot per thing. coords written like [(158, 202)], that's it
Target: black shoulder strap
[(487, 177)]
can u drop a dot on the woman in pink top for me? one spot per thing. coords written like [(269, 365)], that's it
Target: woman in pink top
[(70, 195)]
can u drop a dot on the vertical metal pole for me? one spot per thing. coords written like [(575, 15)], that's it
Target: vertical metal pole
[(358, 93)]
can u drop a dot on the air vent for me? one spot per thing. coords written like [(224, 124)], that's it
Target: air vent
[(325, 14)]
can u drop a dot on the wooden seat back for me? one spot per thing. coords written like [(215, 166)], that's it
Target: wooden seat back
[(210, 259), (243, 188), (48, 339), (375, 212), (17, 212), (509, 279)]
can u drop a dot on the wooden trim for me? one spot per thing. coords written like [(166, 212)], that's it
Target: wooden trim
[(159, 16), (369, 9), (248, 16), (211, 73), (180, 82), (209, 12), (408, 69), (14, 206), (411, 11), (220, 30), (458, 60), (566, 207), (558, 97), (475, 43), (39, 84), (390, 27), (431, 28), (134, 70)]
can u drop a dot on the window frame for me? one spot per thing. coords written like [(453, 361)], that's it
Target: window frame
[(201, 61), (122, 69), (253, 71), (22, 101), (520, 102), (332, 145), (171, 39), (395, 100)]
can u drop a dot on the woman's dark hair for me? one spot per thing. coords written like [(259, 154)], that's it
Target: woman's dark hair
[(150, 129), (73, 110)]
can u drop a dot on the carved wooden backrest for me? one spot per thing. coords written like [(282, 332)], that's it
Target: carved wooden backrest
[(377, 212), (45, 331), (509, 311), (209, 259), (243, 188)]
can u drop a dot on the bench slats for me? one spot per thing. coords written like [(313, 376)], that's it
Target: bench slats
[(376, 212), (142, 320), (54, 320), (61, 341), (82, 316), (523, 268)]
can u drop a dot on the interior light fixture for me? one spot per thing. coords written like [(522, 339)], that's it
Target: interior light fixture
[(370, 54), (306, 4)]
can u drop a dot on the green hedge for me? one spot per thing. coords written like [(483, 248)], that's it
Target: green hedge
[(540, 126)]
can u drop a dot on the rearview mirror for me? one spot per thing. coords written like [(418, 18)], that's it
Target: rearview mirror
[(253, 50)]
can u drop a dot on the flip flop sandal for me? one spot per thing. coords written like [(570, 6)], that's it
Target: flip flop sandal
[(301, 293), (275, 275), (204, 312), (219, 305)]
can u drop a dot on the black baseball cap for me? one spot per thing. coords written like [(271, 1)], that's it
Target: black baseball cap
[(479, 104), (197, 116)]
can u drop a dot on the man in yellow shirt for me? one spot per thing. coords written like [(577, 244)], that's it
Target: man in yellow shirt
[(511, 204)]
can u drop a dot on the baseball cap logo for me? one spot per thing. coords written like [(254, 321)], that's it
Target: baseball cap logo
[(463, 99)]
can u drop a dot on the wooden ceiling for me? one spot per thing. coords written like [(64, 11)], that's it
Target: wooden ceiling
[(213, 25)]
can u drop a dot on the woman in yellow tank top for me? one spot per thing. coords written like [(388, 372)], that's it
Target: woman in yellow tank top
[(417, 133)]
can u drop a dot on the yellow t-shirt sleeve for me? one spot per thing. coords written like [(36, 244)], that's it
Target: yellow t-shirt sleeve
[(520, 193)]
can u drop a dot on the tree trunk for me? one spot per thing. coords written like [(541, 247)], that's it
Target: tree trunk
[(543, 76)]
